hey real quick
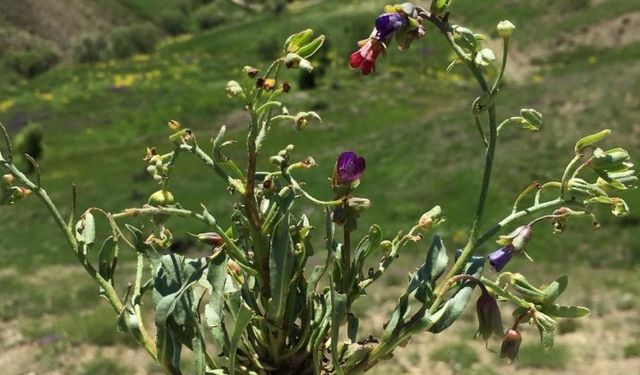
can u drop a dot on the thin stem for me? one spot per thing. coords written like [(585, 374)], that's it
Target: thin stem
[(346, 260), (567, 173), (147, 342), (505, 55), (479, 127), (543, 187), (525, 192)]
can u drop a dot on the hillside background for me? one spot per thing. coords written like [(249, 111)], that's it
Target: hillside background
[(101, 78)]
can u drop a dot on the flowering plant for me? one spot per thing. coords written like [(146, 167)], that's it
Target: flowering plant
[(254, 300)]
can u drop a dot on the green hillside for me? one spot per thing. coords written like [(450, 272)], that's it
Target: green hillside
[(575, 61)]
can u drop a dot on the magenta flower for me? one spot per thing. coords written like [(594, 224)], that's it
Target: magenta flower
[(364, 59), (499, 258), (389, 23), (349, 167)]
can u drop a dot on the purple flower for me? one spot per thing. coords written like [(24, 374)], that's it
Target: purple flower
[(499, 258), (389, 23), (350, 167)]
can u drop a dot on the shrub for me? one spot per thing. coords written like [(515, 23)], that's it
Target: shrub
[(129, 40), (31, 62), (29, 141), (208, 17), (90, 48), (174, 22)]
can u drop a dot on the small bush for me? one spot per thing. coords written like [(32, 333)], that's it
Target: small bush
[(29, 141), (632, 350), (31, 62), (535, 356), (458, 356), (208, 17), (104, 366), (130, 40), (174, 22), (90, 48)]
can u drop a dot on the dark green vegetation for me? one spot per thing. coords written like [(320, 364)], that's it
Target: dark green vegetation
[(410, 121)]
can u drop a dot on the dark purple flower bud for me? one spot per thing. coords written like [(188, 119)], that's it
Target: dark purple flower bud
[(499, 258), (511, 344), (489, 318), (389, 23), (349, 167)]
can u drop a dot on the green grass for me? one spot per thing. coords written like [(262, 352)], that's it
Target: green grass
[(458, 356), (104, 366), (535, 356)]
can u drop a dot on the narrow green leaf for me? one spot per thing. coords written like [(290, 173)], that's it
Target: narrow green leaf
[(591, 139), (555, 289), (456, 305), (214, 310), (199, 363), (352, 328), (281, 268), (106, 258), (339, 306), (433, 267), (312, 47), (245, 314), (566, 311)]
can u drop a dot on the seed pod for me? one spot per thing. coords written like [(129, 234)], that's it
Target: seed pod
[(210, 238)]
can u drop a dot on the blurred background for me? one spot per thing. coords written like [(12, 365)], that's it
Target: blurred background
[(86, 86)]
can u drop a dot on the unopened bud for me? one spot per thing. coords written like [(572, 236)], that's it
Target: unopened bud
[(428, 218), (161, 198), (210, 238), (505, 28), (358, 204), (489, 318), (233, 89), (511, 344), (250, 71), (174, 125), (7, 181)]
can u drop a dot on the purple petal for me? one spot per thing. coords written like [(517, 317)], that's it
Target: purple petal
[(388, 23), (499, 258), (350, 167)]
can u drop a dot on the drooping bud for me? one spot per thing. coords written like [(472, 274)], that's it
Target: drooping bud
[(499, 258), (174, 125), (619, 207), (511, 344), (302, 119), (518, 238), (505, 28), (489, 318), (161, 198)]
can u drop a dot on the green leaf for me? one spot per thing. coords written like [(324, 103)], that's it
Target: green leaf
[(295, 41), (281, 269), (214, 310), (455, 306), (312, 47), (546, 327), (339, 307), (366, 247), (245, 314), (555, 289), (199, 363), (107, 258), (566, 311), (86, 229), (433, 267), (591, 139)]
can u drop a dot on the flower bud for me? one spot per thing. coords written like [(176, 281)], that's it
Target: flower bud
[(531, 118), (610, 159), (499, 258), (489, 318), (7, 181), (233, 89), (428, 219), (302, 119), (505, 28), (161, 198), (234, 267), (210, 238), (277, 161), (358, 204), (174, 125), (268, 84), (511, 344), (619, 207), (285, 87), (250, 71)]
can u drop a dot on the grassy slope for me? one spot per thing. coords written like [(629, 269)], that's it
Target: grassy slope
[(90, 121)]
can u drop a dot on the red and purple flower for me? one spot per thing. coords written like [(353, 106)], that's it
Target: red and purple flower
[(364, 59), (349, 167), (389, 23)]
